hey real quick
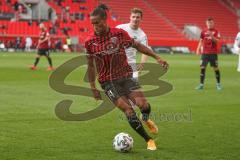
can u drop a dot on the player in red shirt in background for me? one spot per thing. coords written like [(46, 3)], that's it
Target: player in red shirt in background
[(106, 47), (208, 43), (43, 48)]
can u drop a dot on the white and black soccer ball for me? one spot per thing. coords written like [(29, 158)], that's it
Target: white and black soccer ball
[(123, 142)]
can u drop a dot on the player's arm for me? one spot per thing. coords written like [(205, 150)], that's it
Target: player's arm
[(91, 72), (148, 52), (200, 43), (144, 59), (92, 77), (41, 41), (215, 38), (47, 38), (37, 45)]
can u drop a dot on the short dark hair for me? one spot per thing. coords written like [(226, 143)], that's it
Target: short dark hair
[(100, 11), (209, 19), (137, 10)]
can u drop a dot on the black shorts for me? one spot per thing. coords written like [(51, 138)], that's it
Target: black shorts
[(211, 58), (43, 52), (117, 88)]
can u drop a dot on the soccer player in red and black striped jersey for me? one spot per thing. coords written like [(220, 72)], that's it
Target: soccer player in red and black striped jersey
[(106, 47), (43, 48), (208, 43)]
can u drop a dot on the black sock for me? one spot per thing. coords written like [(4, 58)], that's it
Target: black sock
[(146, 112), (202, 75), (49, 61), (136, 124), (36, 61), (217, 74)]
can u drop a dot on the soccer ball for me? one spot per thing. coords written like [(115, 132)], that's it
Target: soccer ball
[(123, 142)]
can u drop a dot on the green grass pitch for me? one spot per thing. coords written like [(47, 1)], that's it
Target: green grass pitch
[(30, 130)]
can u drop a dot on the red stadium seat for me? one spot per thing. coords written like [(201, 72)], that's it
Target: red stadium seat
[(155, 26), (196, 12)]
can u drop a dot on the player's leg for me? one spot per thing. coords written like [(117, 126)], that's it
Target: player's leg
[(139, 99), (214, 65), (49, 59), (218, 77), (134, 93), (203, 66), (114, 93), (123, 104), (134, 76), (132, 88), (28, 48), (37, 59)]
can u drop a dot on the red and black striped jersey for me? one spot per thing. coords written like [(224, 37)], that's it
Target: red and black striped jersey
[(108, 52), (209, 47), (44, 45)]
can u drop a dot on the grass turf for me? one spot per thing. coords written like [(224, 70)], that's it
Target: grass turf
[(29, 129)]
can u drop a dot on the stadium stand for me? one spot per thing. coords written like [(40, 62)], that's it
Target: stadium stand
[(163, 21), (197, 11), (18, 27), (12, 28), (7, 7), (155, 26)]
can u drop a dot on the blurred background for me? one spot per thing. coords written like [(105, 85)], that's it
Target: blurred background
[(172, 26)]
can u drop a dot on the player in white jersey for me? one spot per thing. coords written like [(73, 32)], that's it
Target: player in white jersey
[(137, 33), (236, 46), (134, 31)]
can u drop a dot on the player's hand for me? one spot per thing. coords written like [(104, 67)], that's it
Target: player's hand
[(163, 63), (96, 94), (211, 35)]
